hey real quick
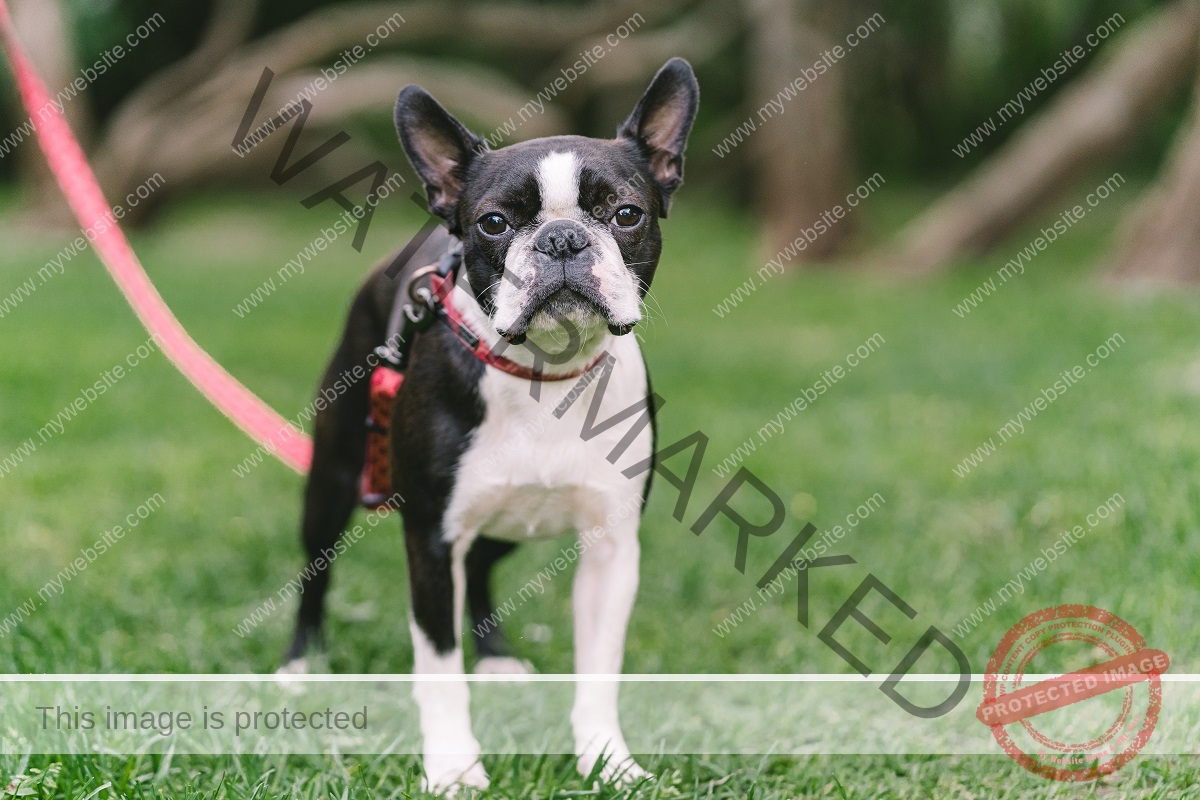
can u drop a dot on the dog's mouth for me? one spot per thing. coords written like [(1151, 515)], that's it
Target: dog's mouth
[(564, 305)]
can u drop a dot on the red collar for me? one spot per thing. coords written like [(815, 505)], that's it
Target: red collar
[(443, 288)]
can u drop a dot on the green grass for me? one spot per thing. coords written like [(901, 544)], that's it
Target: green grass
[(168, 597), (543, 778)]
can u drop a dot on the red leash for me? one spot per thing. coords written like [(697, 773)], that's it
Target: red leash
[(259, 421), (74, 176)]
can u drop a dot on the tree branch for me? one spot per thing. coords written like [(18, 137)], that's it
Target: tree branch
[(1091, 120)]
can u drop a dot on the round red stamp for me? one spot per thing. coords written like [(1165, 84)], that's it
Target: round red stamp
[(1099, 711)]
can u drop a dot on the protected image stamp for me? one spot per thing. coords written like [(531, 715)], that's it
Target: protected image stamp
[(1062, 727)]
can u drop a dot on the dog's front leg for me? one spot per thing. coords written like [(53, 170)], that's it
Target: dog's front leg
[(438, 582), (604, 592)]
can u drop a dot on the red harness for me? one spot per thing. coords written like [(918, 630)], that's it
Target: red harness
[(376, 489)]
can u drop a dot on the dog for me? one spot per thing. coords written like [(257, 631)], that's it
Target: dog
[(559, 239)]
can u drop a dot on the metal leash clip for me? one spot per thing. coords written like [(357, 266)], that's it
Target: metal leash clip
[(418, 315), (420, 312)]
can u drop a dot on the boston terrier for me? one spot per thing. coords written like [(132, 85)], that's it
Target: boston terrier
[(559, 243)]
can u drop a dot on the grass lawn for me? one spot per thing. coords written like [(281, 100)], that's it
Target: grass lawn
[(936, 387)]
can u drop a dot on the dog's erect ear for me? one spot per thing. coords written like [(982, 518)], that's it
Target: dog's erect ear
[(439, 148), (661, 121)]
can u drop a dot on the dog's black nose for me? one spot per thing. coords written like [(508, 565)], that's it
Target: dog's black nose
[(561, 238)]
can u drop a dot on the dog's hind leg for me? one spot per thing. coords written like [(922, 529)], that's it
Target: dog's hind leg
[(491, 645), (330, 497)]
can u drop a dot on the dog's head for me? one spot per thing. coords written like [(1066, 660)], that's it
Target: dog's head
[(563, 228)]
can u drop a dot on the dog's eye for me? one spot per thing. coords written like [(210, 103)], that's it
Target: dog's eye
[(627, 216), (493, 224)]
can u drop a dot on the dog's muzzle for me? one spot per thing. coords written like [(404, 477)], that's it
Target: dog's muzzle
[(560, 272)]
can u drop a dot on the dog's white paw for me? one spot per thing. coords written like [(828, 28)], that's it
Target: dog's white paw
[(448, 774), (624, 773), (284, 676), (504, 665), (297, 666), (619, 768)]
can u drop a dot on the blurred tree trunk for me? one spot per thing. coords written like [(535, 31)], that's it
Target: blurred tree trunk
[(1091, 120), (800, 154), (45, 31), (1161, 239)]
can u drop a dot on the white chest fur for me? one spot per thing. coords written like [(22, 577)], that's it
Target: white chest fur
[(527, 473)]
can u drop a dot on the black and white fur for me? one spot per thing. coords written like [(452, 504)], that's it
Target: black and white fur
[(480, 464)]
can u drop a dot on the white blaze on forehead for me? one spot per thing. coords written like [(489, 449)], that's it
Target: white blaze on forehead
[(558, 179)]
